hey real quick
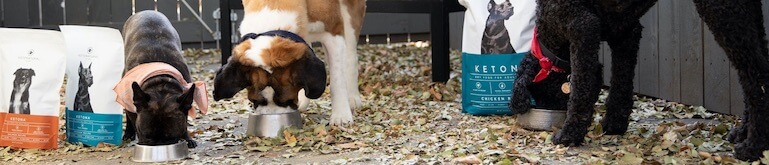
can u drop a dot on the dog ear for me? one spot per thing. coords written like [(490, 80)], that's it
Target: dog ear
[(185, 100), (491, 6), (312, 76), (80, 69), (230, 79), (89, 65), (139, 97)]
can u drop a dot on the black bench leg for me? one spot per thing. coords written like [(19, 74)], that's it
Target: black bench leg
[(225, 23), (439, 36)]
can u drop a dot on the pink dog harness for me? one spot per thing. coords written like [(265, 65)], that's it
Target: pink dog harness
[(142, 72)]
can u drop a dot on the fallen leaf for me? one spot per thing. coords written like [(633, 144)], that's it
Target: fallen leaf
[(290, 139), (472, 159), (352, 145), (630, 159)]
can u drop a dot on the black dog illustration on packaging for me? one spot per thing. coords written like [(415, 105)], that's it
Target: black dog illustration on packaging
[(20, 94), (82, 98), (496, 39)]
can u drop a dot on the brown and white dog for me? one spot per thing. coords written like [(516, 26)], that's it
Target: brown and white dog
[(334, 23)]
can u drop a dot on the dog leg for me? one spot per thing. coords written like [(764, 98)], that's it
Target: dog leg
[(586, 76), (740, 132), (520, 102), (351, 65), (190, 142), (340, 106), (737, 26), (130, 128), (619, 104)]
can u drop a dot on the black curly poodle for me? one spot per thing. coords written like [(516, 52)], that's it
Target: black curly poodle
[(573, 30)]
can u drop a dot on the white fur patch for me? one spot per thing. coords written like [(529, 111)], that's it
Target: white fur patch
[(317, 26), (268, 19), (257, 48), (271, 107)]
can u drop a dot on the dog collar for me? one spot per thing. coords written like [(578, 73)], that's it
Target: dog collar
[(280, 33), (548, 61)]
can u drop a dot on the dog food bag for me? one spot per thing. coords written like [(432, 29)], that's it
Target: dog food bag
[(95, 63), (497, 34), (31, 75)]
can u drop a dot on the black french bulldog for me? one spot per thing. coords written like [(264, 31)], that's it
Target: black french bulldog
[(496, 39), (161, 103), (82, 98), (20, 94)]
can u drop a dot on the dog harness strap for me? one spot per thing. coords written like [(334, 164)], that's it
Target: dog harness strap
[(142, 72), (544, 56), (280, 33)]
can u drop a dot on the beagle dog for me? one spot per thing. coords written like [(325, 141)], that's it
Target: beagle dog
[(277, 34)]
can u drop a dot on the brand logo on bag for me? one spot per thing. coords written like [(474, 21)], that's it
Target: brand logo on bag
[(88, 54), (29, 56), (496, 69)]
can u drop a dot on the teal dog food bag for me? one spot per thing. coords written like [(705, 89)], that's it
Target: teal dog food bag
[(94, 66), (496, 36)]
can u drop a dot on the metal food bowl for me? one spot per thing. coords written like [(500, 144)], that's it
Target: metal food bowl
[(144, 153), (542, 119), (269, 125)]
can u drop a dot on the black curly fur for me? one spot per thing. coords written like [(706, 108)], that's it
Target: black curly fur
[(574, 29), (547, 94)]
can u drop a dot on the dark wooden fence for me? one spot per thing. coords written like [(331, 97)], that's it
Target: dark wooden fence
[(48, 14), (680, 61)]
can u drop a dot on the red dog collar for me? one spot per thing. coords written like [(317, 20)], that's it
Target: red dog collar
[(547, 60)]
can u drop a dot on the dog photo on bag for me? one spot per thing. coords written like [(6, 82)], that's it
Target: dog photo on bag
[(20, 95), (83, 98), (496, 38)]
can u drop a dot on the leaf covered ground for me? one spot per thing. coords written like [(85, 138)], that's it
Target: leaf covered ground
[(407, 119)]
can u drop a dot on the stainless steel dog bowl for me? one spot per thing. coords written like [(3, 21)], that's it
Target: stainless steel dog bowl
[(542, 119), (143, 153), (269, 125)]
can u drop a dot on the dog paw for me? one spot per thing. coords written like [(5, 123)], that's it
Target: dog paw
[(567, 138), (748, 151), (340, 117), (738, 134), (355, 101), (191, 143), (612, 127), (128, 138)]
